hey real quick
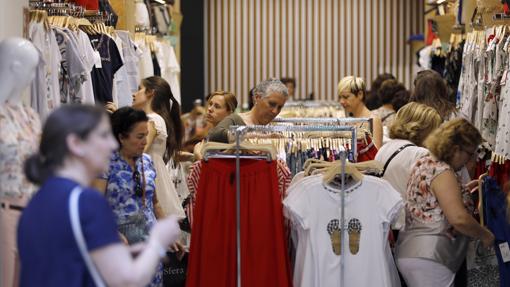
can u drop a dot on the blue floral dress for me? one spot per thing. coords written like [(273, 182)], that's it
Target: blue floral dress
[(120, 193)]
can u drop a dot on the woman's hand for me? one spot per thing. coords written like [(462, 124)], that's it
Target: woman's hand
[(472, 185), (166, 231), (110, 107), (487, 239), (179, 249)]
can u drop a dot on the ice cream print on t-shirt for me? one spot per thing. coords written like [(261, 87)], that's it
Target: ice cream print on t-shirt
[(354, 228)]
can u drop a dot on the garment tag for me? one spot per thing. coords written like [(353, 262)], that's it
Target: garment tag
[(97, 60), (505, 251)]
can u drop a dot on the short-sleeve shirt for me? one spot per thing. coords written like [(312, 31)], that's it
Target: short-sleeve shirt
[(111, 62), (220, 132), (120, 188), (372, 204), (422, 205), (47, 247)]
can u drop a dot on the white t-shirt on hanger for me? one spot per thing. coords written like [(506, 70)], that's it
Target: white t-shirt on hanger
[(372, 204)]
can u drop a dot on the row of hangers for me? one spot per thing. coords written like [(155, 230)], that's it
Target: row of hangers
[(331, 171), (268, 151), (289, 145), (73, 23), (148, 39)]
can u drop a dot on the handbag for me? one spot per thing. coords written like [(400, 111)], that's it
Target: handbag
[(134, 227), (178, 176), (74, 215)]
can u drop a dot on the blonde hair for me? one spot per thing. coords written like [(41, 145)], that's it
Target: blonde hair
[(230, 99), (353, 85), (457, 132), (414, 122)]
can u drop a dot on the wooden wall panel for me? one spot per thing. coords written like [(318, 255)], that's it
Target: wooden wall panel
[(315, 41)]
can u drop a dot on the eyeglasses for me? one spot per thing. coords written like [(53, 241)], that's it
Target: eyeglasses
[(138, 183)]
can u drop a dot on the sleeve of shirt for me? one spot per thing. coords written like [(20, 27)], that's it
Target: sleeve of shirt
[(389, 201), (220, 132), (97, 220), (115, 56), (297, 207)]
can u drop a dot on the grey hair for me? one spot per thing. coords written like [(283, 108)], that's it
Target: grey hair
[(271, 85)]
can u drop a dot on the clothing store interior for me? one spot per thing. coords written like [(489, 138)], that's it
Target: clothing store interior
[(306, 143)]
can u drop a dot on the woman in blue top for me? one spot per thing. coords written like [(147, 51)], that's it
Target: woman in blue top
[(75, 148), (130, 182)]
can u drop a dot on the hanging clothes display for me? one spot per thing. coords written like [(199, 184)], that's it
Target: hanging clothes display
[(131, 57), (73, 69), (371, 205), (121, 92), (87, 55), (283, 174), (170, 68), (45, 89), (483, 92), (105, 69), (264, 259), (495, 214)]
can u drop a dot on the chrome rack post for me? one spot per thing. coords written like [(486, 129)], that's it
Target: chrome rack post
[(238, 202), (343, 157)]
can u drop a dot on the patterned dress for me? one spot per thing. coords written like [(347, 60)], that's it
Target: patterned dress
[(120, 193)]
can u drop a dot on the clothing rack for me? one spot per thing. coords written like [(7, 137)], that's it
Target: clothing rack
[(311, 104), (339, 121), (239, 132)]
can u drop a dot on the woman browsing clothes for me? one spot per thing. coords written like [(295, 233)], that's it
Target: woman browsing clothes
[(433, 245), (76, 147), (130, 181), (164, 138)]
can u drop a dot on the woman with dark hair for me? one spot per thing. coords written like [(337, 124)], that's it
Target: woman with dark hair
[(387, 93), (164, 139), (431, 89), (130, 182), (75, 147), (373, 101)]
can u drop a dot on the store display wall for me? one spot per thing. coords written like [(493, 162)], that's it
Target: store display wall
[(317, 42), (11, 18)]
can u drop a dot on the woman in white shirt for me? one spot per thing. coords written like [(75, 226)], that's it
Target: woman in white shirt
[(413, 123)]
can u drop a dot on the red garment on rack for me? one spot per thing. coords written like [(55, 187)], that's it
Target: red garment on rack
[(284, 179), (212, 257), (366, 150), (88, 4), (501, 172)]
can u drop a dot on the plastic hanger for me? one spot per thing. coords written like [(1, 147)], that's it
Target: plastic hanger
[(244, 146)]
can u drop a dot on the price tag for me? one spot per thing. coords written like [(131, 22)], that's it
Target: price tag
[(97, 60), (505, 251)]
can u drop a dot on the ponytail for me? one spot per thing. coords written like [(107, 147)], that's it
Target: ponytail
[(175, 115), (35, 169), (165, 105)]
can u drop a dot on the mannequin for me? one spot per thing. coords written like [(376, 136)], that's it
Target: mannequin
[(20, 129), (18, 58)]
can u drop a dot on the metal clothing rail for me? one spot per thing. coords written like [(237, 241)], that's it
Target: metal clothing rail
[(311, 104), (327, 120), (239, 132)]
